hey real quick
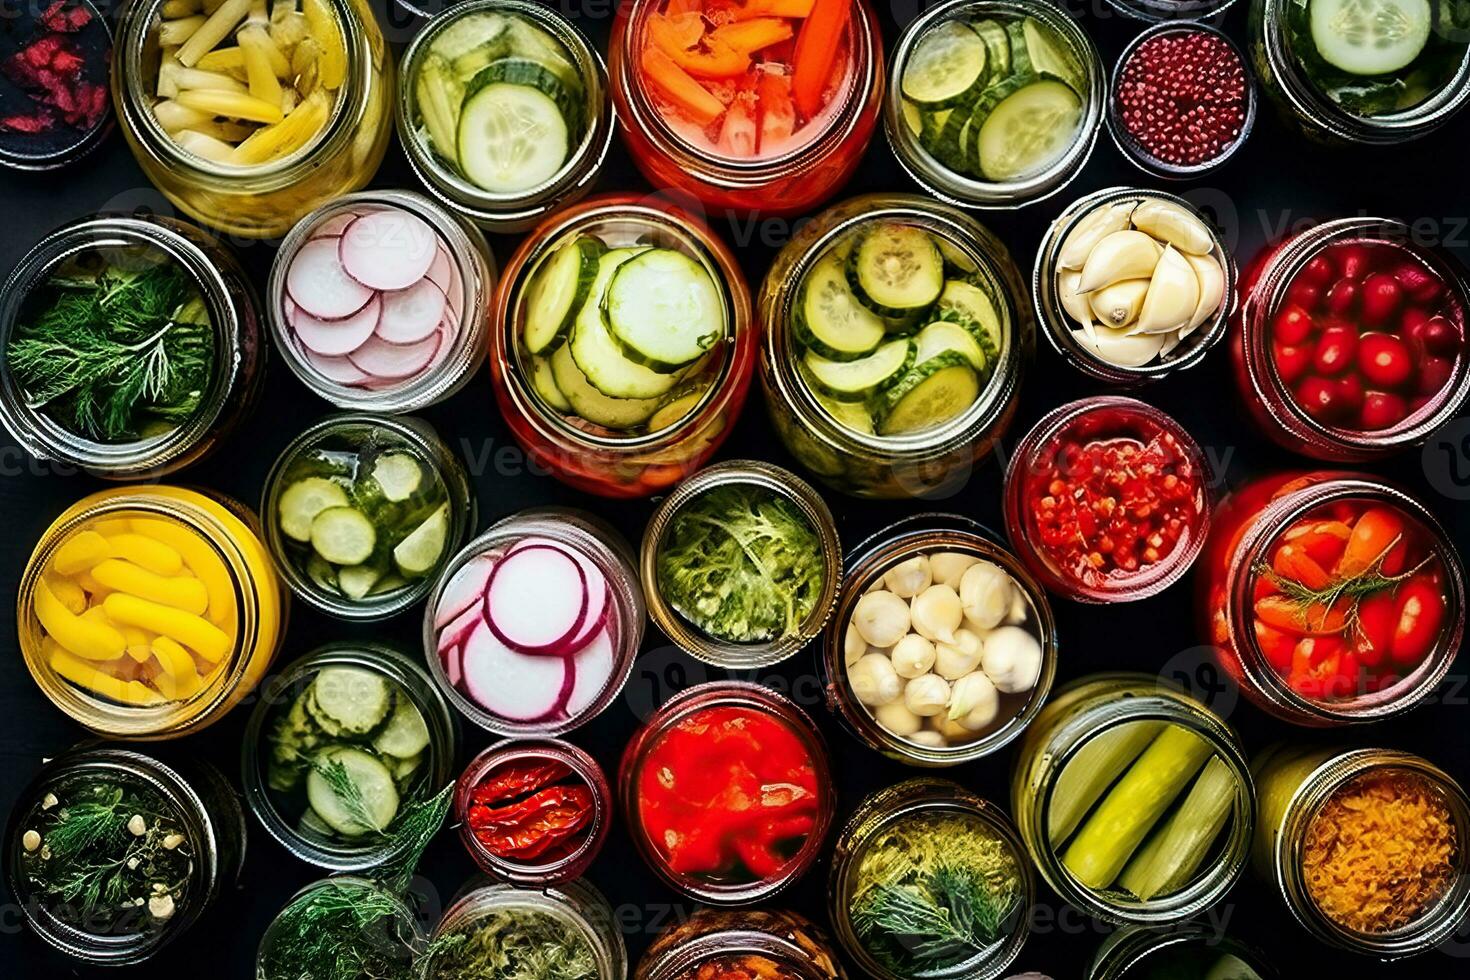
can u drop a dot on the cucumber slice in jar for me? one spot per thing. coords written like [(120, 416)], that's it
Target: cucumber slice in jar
[(853, 415), (1031, 127), (589, 403), (302, 501), (398, 475), (1370, 37), (513, 135), (997, 48), (973, 305), (676, 405), (358, 580), (1045, 51), (895, 269), (405, 735), (946, 66), (832, 321), (1020, 55), (557, 292), (913, 118), (312, 823), (343, 535), (349, 700), (855, 380), (543, 381), (663, 309), (369, 793), (421, 550), (526, 40), (598, 356), (929, 394), (437, 96), (321, 573), (943, 335), (403, 769)]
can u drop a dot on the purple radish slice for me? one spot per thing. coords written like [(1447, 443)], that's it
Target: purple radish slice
[(593, 666), (455, 295), (441, 270), (410, 315), (388, 249), (334, 226), (465, 588), (511, 685), (537, 600), (599, 594), (394, 362), (338, 370), (319, 285), (335, 338), (458, 629)]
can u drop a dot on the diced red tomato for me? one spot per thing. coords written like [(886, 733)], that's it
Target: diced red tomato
[(1377, 615)]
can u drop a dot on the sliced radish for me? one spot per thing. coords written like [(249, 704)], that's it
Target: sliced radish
[(319, 284), (537, 600), (394, 362), (334, 226), (512, 685), (410, 315), (457, 630), (455, 295), (335, 338), (338, 370), (441, 270), (446, 344), (453, 658), (388, 249), (465, 588), (594, 665)]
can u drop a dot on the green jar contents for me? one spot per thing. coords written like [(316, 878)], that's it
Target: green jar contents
[(894, 333), (340, 929), (114, 344), (1377, 57), (512, 942)]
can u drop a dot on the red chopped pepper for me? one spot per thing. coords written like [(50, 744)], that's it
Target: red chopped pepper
[(817, 47)]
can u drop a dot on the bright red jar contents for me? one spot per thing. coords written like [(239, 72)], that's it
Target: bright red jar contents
[(1366, 335), (530, 811), (728, 794), (1183, 95)]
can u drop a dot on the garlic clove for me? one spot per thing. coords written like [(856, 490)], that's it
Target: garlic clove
[(1092, 229), (1173, 293), (909, 577), (937, 612), (1211, 288), (873, 680), (929, 738), (1012, 659), (1118, 305), (881, 618), (853, 645), (913, 656), (954, 660), (975, 701), (1168, 222), (898, 719), (1122, 255), (985, 593), (949, 566), (1124, 349), (926, 696), (1074, 301)]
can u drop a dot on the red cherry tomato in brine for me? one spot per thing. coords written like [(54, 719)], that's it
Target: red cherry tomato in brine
[(1419, 614)]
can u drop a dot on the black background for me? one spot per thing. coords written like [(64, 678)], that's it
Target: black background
[(1277, 182)]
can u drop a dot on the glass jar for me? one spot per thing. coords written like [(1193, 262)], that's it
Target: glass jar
[(1087, 79), (796, 179), (1167, 10), (1288, 84), (1261, 362), (721, 651), (1250, 525), (207, 537), (200, 805), (565, 769), (1089, 716), (1056, 450), (234, 325), (766, 943), (1183, 348), (463, 269), (730, 711), (85, 123), (591, 455), (518, 210), (932, 535), (577, 911), (346, 449), (456, 629), (287, 723), (380, 932), (264, 200), (932, 461), (977, 829), (1296, 783), (1135, 953)]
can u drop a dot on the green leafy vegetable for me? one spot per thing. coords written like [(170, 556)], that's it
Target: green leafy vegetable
[(340, 930), (512, 944), (741, 563)]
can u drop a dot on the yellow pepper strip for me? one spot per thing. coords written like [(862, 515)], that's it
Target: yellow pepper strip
[(288, 136), (91, 586), (194, 632), (191, 79), (179, 678), (323, 24), (220, 59), (204, 145), (180, 8), (179, 591), (202, 560), (148, 553), (80, 552), (109, 526), (174, 117), (68, 592), (258, 36), (236, 105), (258, 70), (85, 675), (220, 23), (172, 33), (83, 637)]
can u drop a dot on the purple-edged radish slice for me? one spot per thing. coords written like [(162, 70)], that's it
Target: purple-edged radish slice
[(334, 226), (336, 338), (537, 600), (512, 685), (319, 285), (441, 270), (394, 362), (446, 344), (454, 292), (457, 630), (410, 315), (593, 666), (338, 370), (453, 659), (599, 594), (465, 588), (388, 249)]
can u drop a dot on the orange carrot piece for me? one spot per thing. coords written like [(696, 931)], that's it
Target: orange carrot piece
[(747, 36), (685, 30), (676, 85), (799, 9), (817, 44), (710, 58), (676, 7)]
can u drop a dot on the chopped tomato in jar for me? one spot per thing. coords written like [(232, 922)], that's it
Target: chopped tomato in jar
[(530, 811)]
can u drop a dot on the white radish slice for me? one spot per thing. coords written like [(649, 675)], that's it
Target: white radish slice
[(455, 295), (388, 249), (446, 344), (334, 338), (511, 685), (465, 588), (453, 658), (410, 315), (319, 284), (395, 362), (594, 665), (441, 270), (338, 370), (537, 600), (334, 226), (457, 630)]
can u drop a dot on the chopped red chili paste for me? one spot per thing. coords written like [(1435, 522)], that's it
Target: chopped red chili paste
[(56, 66)]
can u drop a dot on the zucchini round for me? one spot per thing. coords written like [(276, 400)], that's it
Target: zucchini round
[(831, 320), (895, 269), (855, 380), (557, 292)]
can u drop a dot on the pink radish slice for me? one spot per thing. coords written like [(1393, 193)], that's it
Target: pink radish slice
[(453, 658), (441, 270), (338, 370), (334, 226), (410, 315), (394, 362), (599, 595), (512, 685), (319, 284), (455, 295), (594, 665), (536, 600), (446, 344), (465, 588), (388, 249), (334, 338), (457, 630)]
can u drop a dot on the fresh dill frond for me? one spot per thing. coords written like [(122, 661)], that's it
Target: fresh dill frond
[(405, 838), (339, 931)]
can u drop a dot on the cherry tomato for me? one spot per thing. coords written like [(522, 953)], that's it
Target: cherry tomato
[(1382, 298), (1335, 350), (1293, 324), (1352, 260), (1304, 294), (1434, 374), (1382, 409), (1323, 668), (1275, 645), (1421, 285), (1418, 616), (1318, 270), (1375, 531), (1342, 298), (1291, 362), (1440, 336), (1350, 393), (1384, 360), (1376, 619), (1318, 398)]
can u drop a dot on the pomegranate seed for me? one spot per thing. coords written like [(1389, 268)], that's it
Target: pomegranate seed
[(1182, 97)]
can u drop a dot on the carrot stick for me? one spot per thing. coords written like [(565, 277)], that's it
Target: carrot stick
[(680, 88), (817, 45)]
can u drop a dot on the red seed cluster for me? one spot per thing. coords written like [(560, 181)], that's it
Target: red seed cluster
[(51, 70), (1182, 96)]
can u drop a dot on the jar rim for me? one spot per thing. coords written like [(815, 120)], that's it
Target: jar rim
[(740, 932), (1134, 946)]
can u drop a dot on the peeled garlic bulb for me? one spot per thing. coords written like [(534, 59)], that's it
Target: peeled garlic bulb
[(1092, 229), (881, 618), (985, 594), (913, 656), (1173, 293), (908, 578), (1211, 287), (898, 719), (1119, 304), (1122, 255), (926, 696), (853, 645), (874, 681), (948, 566), (1011, 659), (1073, 300), (954, 660), (937, 613), (975, 702), (1168, 222)]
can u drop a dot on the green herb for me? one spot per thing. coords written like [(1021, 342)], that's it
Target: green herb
[(339, 931), (406, 837), (512, 944), (1309, 602), (742, 563), (114, 353)]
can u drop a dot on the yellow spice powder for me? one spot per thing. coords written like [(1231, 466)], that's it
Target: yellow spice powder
[(1380, 851)]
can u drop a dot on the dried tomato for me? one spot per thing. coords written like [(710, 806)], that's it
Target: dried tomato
[(525, 809)]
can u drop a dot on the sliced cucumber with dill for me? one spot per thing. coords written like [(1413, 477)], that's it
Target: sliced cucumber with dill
[(369, 791), (302, 501), (350, 700), (946, 66), (676, 405), (663, 309), (855, 380), (931, 393), (895, 269), (406, 735), (557, 291)]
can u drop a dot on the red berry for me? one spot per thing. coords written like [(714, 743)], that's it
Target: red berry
[(1304, 294), (1419, 401), (1411, 324), (1335, 350), (1319, 399), (1293, 325), (1318, 271), (1350, 393), (1384, 359), (1434, 374), (1353, 261), (1382, 409), (1440, 336), (1291, 362), (1421, 284), (1382, 297), (1342, 297)]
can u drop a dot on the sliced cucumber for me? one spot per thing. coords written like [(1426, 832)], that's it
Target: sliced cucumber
[(526, 40), (312, 823), (1370, 37), (404, 768), (663, 309), (356, 581), (598, 356), (1047, 56), (350, 700), (974, 307), (677, 405), (1020, 55), (303, 500), (997, 48), (895, 269), (471, 32), (854, 415), (343, 535), (513, 136), (557, 292), (398, 475), (1028, 130), (834, 323), (406, 734), (421, 550), (591, 404), (913, 118), (322, 573), (931, 393), (438, 95), (376, 795), (946, 67), (855, 380), (388, 583), (544, 383), (944, 335)]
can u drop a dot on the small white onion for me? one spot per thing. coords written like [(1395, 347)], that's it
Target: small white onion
[(937, 613), (948, 567), (881, 618), (1012, 659), (909, 577), (898, 719), (874, 681), (913, 656), (954, 660), (926, 696), (985, 591)]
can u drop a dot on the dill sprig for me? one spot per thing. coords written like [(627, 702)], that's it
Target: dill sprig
[(1353, 588), (339, 931), (940, 919), (405, 838)]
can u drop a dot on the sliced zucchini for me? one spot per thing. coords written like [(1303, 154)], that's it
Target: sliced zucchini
[(974, 307), (1028, 130), (663, 309), (1020, 55), (356, 581), (832, 321), (398, 475), (350, 700), (1370, 37), (997, 48), (589, 403), (855, 380), (1047, 55), (598, 356), (375, 792), (557, 292), (946, 67), (543, 381), (913, 118), (944, 335), (343, 535), (303, 500), (676, 405), (513, 135), (930, 393), (895, 269), (420, 551), (406, 734)]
